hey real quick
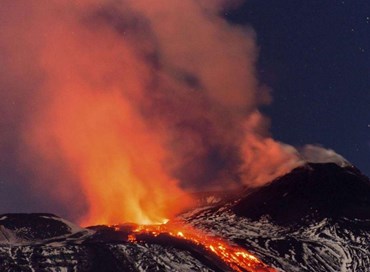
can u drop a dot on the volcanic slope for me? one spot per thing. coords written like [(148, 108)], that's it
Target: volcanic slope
[(45, 242), (316, 218)]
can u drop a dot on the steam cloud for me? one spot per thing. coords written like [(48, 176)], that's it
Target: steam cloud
[(119, 107), (319, 154)]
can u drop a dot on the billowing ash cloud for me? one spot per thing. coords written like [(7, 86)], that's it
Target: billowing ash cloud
[(114, 109)]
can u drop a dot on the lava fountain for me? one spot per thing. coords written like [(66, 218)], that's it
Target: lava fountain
[(136, 103), (131, 105)]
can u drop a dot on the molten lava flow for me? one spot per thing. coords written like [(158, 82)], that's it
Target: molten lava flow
[(235, 257)]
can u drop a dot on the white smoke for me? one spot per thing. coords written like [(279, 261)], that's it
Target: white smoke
[(319, 154)]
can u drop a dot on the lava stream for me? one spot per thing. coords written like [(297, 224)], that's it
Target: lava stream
[(235, 257)]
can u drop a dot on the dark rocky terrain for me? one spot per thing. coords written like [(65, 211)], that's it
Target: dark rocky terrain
[(316, 191), (315, 218)]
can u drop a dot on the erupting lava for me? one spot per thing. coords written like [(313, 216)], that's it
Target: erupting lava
[(233, 256)]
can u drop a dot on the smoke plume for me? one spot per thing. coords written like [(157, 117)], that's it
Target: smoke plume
[(118, 108), (319, 154)]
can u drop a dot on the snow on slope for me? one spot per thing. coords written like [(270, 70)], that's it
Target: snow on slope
[(24, 229), (98, 257), (322, 246), (315, 218), (327, 228)]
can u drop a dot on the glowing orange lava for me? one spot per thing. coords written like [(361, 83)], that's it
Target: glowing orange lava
[(237, 258)]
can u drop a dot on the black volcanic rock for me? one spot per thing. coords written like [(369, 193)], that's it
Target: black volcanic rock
[(45, 242), (25, 228), (311, 192), (315, 218)]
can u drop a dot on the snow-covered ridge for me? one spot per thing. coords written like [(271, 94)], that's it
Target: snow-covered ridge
[(315, 218), (321, 246), (26, 229), (315, 235)]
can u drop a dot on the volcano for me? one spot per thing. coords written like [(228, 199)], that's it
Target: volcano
[(315, 218)]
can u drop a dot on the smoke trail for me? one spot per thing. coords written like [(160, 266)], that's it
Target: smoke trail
[(128, 104), (319, 154)]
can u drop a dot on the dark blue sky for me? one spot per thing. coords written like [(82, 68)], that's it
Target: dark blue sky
[(315, 55)]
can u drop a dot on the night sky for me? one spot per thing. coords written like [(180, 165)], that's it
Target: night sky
[(315, 56)]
